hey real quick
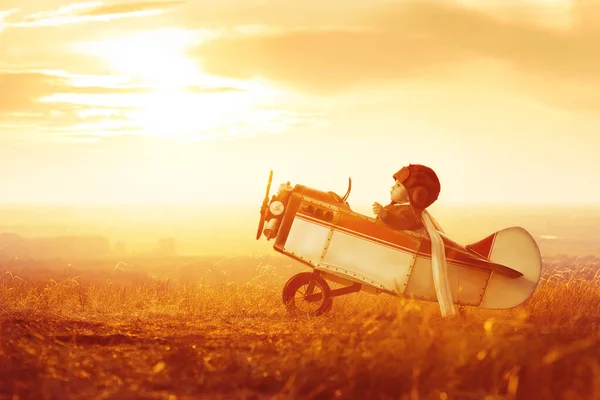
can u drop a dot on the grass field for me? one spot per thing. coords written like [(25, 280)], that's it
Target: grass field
[(199, 328)]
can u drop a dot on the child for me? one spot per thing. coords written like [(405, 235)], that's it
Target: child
[(416, 188)]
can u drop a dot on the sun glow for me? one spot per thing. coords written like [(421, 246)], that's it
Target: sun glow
[(181, 100), (178, 114), (155, 58)]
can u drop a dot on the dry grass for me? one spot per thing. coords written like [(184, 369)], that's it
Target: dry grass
[(217, 329)]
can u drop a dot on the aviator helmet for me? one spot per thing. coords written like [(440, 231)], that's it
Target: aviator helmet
[(422, 184)]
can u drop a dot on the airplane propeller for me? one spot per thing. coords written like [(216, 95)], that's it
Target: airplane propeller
[(265, 207)]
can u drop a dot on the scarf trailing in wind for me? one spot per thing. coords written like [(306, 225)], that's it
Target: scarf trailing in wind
[(439, 267)]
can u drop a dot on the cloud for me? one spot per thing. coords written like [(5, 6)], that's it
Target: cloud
[(51, 104), (22, 91), (23, 111), (128, 8), (94, 11), (419, 40), (4, 15), (23, 105), (206, 90)]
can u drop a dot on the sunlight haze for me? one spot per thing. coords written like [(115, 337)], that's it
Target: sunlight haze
[(172, 102)]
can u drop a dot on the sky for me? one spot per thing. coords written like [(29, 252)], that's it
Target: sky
[(173, 102)]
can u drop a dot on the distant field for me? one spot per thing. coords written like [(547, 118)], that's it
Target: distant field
[(215, 327), (567, 230)]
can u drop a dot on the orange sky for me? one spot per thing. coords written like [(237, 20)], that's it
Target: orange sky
[(109, 102)]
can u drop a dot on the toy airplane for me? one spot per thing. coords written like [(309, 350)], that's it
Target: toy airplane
[(320, 230)]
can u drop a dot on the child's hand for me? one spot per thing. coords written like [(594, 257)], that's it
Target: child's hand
[(377, 208)]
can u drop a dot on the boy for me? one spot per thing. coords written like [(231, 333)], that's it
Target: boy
[(416, 187)]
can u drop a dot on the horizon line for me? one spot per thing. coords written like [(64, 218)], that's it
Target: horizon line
[(258, 204)]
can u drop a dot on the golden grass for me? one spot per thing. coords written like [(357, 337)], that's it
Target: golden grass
[(218, 329)]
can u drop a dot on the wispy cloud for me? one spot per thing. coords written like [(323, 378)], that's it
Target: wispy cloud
[(24, 111), (4, 15), (94, 11), (128, 8), (59, 104), (22, 91), (414, 40)]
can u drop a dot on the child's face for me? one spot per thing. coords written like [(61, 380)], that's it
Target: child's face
[(399, 194)]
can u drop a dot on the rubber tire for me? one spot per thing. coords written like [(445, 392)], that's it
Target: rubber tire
[(301, 279)]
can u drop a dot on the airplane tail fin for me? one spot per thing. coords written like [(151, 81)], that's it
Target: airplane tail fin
[(516, 249)]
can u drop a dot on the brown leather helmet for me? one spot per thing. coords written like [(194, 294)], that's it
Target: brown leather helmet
[(422, 184)]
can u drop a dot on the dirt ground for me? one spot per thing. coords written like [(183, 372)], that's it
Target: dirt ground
[(234, 340)]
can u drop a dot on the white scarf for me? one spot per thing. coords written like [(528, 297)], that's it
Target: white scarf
[(439, 267)]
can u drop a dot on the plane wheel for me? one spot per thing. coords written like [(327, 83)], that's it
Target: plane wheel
[(307, 294)]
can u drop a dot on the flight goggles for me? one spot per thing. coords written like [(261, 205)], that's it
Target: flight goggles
[(403, 176)]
